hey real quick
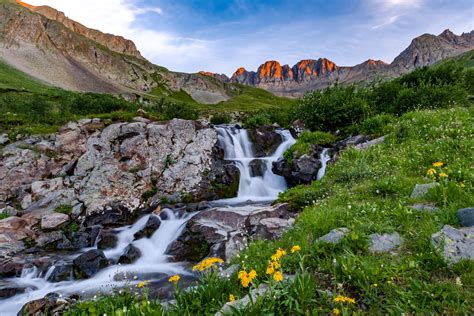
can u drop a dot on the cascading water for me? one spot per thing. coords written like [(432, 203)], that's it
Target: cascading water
[(153, 264), (238, 148), (325, 157)]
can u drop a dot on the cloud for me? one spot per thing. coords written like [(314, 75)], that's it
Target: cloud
[(122, 17), (389, 21)]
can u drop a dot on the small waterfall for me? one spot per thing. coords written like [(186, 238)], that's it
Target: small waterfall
[(324, 161), (152, 265), (238, 148)]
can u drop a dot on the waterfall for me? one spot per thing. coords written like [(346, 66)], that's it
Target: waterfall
[(239, 149), (324, 161), (152, 265)]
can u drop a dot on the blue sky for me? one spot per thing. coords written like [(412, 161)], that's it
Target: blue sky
[(220, 35)]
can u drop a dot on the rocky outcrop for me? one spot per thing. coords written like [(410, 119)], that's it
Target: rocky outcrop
[(89, 263), (455, 244), (222, 232), (104, 173), (265, 140), (466, 216), (310, 74)]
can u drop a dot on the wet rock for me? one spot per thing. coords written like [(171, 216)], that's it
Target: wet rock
[(53, 221), (114, 215), (11, 267), (89, 263), (335, 235), (151, 226), (466, 216), (62, 271), (421, 190), (306, 168), (385, 242), (258, 168), (86, 237), (8, 289), (455, 244), (265, 139), (51, 304), (130, 255), (224, 231), (53, 240), (107, 240)]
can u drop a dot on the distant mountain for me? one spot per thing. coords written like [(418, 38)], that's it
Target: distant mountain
[(47, 45), (312, 74)]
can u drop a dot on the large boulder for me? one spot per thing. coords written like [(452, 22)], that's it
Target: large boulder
[(51, 304), (53, 221), (455, 244), (335, 235), (130, 255), (223, 231), (151, 226), (265, 140), (384, 242), (257, 167), (89, 263), (107, 240), (420, 190)]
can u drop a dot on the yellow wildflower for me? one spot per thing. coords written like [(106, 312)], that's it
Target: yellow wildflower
[(344, 299), (141, 284), (252, 274), (295, 248), (462, 185), (278, 254), (174, 279), (231, 298), (431, 172), (438, 164), (443, 175), (278, 276), (207, 263), (375, 285), (244, 278), (336, 311), (270, 269)]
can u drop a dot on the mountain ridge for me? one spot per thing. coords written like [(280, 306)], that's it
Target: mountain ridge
[(315, 74)]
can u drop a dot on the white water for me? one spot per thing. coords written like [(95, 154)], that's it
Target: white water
[(153, 262), (238, 148), (324, 161)]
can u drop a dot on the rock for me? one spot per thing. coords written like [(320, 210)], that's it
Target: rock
[(421, 190), (89, 263), (53, 221), (430, 208), (370, 143), (466, 216), (114, 215), (385, 242), (247, 299), (4, 139), (455, 244), (10, 289), (224, 231), (265, 140), (51, 304), (335, 235), (9, 211), (257, 168), (229, 271), (305, 169), (351, 141), (11, 267), (86, 237), (61, 271), (130, 255), (151, 226), (53, 240), (107, 241)]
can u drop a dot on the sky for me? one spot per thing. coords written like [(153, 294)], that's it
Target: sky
[(223, 35)]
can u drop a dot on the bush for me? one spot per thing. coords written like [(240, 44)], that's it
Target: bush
[(376, 125), (306, 139), (221, 118), (267, 117), (168, 110)]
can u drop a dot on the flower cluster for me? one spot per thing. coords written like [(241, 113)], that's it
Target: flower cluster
[(344, 299), (247, 278), (436, 172), (274, 265), (141, 284), (207, 263), (174, 279)]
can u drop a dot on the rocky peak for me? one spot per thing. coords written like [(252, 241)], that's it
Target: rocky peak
[(270, 70), (220, 77), (114, 43), (310, 68)]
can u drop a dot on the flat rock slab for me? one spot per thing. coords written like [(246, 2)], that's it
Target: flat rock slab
[(53, 221), (335, 235), (421, 190), (385, 242), (370, 143), (430, 208), (455, 244), (466, 216)]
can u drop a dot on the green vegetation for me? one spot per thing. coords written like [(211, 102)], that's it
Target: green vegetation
[(64, 209), (306, 139)]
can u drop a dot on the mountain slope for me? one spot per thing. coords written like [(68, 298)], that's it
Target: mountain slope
[(45, 44), (312, 74)]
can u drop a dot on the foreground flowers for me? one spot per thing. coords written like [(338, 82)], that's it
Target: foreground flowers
[(207, 263), (174, 279), (247, 278), (231, 298), (344, 299), (295, 248)]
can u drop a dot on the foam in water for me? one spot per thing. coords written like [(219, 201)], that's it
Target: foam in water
[(238, 148)]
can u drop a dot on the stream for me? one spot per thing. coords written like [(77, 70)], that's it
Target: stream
[(154, 264)]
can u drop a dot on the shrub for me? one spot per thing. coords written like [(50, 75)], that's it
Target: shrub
[(376, 125), (221, 118), (306, 139)]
